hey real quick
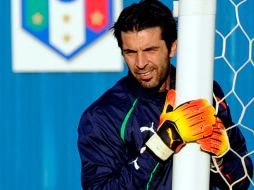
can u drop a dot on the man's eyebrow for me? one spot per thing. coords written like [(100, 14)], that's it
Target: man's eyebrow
[(129, 50), (152, 48)]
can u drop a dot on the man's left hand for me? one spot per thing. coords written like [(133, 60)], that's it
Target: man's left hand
[(217, 143)]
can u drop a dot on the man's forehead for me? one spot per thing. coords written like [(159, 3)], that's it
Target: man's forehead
[(146, 35)]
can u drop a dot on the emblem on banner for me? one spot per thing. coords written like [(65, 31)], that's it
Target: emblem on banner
[(67, 26)]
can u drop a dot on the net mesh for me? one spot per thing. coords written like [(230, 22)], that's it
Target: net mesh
[(234, 70)]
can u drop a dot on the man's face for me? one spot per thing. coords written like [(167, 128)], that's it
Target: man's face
[(147, 57)]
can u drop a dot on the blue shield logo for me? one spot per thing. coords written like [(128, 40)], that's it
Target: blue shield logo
[(67, 26)]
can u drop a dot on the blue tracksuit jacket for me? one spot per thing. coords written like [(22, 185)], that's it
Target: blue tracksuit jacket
[(114, 129)]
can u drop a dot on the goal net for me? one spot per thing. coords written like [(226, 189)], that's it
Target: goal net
[(234, 68)]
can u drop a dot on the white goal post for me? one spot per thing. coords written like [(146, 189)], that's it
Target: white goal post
[(194, 79)]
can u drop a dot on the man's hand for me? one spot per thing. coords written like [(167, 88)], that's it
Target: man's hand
[(192, 120), (189, 122), (217, 143)]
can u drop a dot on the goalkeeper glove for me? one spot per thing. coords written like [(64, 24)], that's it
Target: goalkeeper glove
[(217, 143), (189, 122)]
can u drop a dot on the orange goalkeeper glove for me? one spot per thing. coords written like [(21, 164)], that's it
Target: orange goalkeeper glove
[(217, 143), (189, 122), (193, 120)]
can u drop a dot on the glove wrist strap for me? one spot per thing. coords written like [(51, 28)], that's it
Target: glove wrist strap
[(158, 147)]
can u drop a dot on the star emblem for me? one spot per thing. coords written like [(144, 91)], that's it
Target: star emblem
[(37, 18), (97, 18)]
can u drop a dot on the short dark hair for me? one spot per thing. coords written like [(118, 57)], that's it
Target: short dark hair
[(143, 15)]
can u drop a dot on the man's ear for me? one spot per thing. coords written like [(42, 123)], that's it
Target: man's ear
[(173, 49)]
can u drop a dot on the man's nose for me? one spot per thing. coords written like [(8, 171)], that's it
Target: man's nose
[(141, 60)]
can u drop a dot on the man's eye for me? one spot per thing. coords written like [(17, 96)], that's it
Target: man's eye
[(129, 52), (151, 50)]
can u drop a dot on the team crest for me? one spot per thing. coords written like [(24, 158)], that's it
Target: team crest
[(67, 26)]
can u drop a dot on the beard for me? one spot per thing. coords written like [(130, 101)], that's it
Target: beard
[(160, 78)]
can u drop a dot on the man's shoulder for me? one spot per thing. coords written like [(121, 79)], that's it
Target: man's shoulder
[(109, 109), (217, 90), (115, 98)]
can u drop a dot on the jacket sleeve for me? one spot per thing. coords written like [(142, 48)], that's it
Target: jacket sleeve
[(233, 165), (104, 158)]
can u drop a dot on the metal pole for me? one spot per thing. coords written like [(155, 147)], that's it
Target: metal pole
[(194, 79)]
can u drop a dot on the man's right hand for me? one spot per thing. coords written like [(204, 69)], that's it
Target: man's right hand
[(189, 122)]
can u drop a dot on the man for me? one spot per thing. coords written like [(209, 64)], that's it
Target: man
[(127, 138)]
